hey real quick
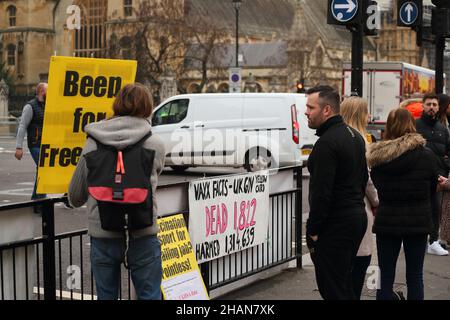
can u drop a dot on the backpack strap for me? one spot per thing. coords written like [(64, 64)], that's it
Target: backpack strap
[(140, 142), (101, 145)]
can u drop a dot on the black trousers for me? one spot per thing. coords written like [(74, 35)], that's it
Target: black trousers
[(359, 274), (334, 254), (436, 205)]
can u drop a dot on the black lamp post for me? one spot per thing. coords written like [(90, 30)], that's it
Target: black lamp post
[(237, 6)]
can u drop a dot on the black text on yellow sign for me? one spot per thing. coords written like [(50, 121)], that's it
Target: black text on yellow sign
[(85, 87), (176, 248), (80, 91)]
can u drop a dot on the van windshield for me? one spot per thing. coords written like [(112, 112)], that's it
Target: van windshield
[(171, 113)]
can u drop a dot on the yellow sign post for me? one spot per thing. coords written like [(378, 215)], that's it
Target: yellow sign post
[(182, 279), (80, 91)]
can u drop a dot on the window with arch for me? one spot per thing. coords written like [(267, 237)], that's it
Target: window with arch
[(12, 11), (11, 52), (90, 40), (194, 88), (128, 8), (125, 46), (223, 88)]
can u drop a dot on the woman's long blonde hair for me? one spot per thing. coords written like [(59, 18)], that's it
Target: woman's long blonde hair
[(355, 112)]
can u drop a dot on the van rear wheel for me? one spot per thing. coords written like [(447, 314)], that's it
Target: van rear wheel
[(258, 159), (179, 169)]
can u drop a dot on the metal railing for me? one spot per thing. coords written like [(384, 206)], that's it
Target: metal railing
[(61, 266), (8, 126)]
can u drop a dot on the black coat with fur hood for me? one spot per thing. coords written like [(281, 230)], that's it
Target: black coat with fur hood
[(405, 174)]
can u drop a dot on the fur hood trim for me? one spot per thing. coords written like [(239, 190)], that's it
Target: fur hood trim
[(385, 151)]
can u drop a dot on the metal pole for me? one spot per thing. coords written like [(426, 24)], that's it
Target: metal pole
[(48, 251), (298, 216), (237, 38), (357, 60), (440, 48)]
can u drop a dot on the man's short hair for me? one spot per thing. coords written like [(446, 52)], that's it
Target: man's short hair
[(327, 96), (430, 96), (39, 87)]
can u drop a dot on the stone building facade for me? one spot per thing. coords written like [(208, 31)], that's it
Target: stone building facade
[(282, 41)]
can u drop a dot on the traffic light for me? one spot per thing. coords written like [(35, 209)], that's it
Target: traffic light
[(301, 86), (440, 22), (409, 13)]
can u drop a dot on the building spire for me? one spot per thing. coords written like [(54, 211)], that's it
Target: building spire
[(299, 33)]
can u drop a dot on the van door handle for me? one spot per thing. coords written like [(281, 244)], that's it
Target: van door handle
[(200, 126), (185, 127)]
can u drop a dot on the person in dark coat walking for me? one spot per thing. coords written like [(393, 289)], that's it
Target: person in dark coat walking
[(438, 140), (338, 178), (405, 174)]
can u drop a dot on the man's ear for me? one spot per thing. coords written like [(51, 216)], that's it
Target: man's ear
[(327, 111)]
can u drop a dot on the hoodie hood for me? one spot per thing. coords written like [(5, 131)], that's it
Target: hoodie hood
[(119, 132), (387, 151)]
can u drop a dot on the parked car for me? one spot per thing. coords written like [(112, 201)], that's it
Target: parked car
[(251, 130)]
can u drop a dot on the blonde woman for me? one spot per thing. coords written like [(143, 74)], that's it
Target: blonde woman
[(354, 111)]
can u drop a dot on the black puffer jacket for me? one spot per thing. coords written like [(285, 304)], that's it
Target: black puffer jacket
[(437, 136), (405, 174)]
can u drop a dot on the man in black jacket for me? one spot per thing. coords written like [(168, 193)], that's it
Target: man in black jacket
[(437, 137), (338, 178)]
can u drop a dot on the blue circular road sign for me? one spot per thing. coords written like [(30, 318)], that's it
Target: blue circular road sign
[(409, 12), (235, 78), (344, 10)]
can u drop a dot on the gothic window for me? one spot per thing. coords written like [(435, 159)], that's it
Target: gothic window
[(12, 15), (128, 8), (125, 45), (11, 55), (90, 40), (223, 88)]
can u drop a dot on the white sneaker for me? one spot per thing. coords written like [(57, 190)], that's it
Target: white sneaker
[(436, 249), (67, 206)]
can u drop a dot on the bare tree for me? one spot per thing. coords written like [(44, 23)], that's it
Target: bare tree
[(205, 46), (6, 75), (164, 37), (158, 41)]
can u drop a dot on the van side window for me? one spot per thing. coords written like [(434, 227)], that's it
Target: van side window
[(171, 113)]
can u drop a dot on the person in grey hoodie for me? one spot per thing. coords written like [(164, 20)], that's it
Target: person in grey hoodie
[(132, 108)]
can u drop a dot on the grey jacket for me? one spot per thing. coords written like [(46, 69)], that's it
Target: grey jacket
[(119, 132)]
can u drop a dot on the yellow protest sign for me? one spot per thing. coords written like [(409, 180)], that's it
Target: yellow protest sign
[(182, 279), (80, 91)]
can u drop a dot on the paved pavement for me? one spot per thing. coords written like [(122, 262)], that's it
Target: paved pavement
[(299, 284)]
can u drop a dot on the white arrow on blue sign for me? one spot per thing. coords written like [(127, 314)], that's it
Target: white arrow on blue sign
[(344, 10), (409, 12)]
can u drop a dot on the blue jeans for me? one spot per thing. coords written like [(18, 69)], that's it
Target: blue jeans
[(144, 260), (388, 250), (35, 155)]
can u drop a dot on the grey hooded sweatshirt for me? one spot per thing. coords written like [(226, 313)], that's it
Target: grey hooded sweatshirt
[(118, 132)]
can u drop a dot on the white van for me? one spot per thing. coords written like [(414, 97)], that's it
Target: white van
[(251, 130)]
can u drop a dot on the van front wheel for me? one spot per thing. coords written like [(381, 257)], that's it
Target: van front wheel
[(258, 159)]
